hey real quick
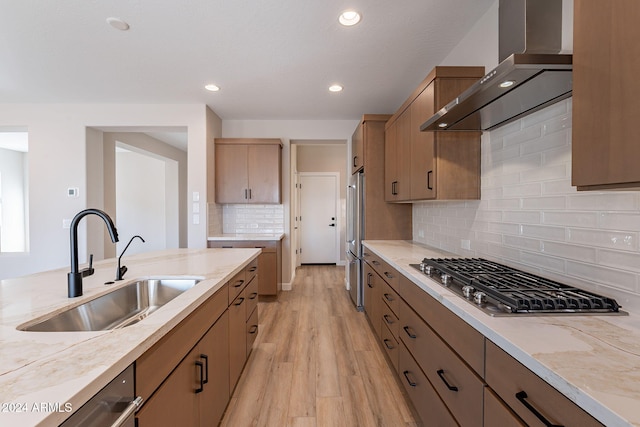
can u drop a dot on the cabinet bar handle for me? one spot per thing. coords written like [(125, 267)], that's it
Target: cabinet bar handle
[(411, 383), (440, 373), (389, 276), (522, 396), (249, 193), (238, 283), (388, 297), (386, 343), (201, 388), (354, 161), (240, 301), (374, 262), (429, 180), (411, 335), (254, 329), (245, 193), (206, 368), (227, 247), (252, 269), (369, 275), (253, 295), (387, 319)]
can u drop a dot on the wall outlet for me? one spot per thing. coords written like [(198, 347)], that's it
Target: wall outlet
[(465, 244), (66, 223)]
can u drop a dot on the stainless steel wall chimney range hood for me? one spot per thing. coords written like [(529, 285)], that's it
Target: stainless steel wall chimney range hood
[(531, 75)]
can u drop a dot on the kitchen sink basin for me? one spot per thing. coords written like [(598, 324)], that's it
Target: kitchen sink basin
[(119, 308)]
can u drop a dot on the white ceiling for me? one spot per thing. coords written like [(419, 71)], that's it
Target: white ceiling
[(273, 59)]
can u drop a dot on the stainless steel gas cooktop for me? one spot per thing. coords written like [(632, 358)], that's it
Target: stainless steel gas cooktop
[(499, 290)]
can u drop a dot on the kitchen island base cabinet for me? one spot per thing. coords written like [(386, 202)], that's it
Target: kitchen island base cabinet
[(269, 262), (197, 391)]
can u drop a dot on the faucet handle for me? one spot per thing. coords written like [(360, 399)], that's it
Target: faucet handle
[(88, 271)]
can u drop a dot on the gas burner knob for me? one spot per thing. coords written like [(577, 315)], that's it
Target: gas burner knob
[(467, 291), (428, 270), (445, 279), (479, 298)]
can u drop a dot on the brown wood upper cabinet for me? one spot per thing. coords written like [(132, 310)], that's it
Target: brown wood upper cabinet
[(432, 165), (248, 170), (606, 95)]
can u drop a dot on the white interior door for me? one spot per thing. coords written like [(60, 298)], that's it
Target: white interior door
[(319, 218)]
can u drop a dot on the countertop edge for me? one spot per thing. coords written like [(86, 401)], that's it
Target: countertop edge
[(246, 237)]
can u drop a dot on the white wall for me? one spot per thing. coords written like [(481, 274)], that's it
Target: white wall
[(57, 160), (529, 215), (288, 130)]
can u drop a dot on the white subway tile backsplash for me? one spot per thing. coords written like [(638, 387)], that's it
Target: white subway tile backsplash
[(250, 219), (531, 217)]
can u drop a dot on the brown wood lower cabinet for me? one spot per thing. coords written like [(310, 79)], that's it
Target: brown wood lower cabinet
[(530, 397), (372, 303), (187, 377), (496, 413), (269, 261), (424, 398)]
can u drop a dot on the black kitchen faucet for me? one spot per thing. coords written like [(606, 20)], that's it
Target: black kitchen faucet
[(74, 277)]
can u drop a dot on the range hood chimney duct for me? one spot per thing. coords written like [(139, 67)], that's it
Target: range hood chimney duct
[(531, 75)]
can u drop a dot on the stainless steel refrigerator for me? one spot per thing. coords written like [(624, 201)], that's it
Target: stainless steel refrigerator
[(355, 235)]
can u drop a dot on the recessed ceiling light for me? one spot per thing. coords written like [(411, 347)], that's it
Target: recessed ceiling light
[(443, 125), (349, 18), (212, 88), (118, 24), (335, 88), (507, 83)]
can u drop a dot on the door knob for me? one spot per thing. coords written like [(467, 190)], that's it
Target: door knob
[(332, 225)]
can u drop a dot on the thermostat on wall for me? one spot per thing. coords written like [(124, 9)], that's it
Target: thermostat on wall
[(72, 192)]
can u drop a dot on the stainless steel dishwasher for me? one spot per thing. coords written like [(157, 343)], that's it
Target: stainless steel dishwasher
[(113, 406)]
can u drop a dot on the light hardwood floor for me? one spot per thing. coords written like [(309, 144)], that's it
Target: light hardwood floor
[(315, 362)]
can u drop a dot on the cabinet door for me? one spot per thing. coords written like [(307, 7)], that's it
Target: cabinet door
[(496, 413), (264, 165), (215, 395), (175, 403), (391, 162), (423, 165), (606, 65), (267, 276), (231, 173), (357, 149), (403, 159), (237, 339), (371, 288)]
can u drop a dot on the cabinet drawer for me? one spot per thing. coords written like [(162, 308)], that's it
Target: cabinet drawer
[(251, 270), (424, 398), (390, 344), (236, 285), (389, 274), (496, 413), (464, 340), (458, 386), (250, 294), (390, 297), (252, 330), (390, 320), (530, 397), (265, 245)]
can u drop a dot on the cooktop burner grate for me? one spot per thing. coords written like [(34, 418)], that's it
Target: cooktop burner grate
[(519, 291)]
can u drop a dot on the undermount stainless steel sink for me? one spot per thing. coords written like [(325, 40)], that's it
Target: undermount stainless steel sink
[(119, 308)]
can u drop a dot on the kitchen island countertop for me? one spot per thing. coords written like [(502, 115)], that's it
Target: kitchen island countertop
[(44, 374), (593, 360)]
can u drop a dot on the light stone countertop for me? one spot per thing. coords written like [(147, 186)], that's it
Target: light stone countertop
[(70, 367), (247, 237), (593, 360)]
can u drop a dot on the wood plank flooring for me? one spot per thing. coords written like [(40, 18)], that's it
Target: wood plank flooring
[(316, 363)]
